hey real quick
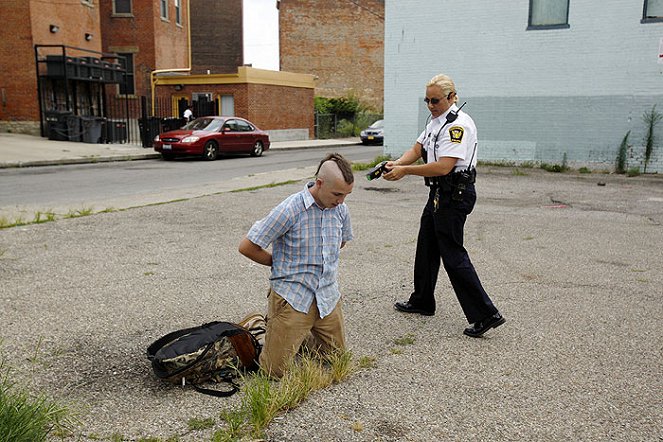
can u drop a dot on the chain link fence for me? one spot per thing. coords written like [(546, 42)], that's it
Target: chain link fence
[(332, 126)]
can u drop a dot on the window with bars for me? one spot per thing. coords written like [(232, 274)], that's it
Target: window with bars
[(548, 14)]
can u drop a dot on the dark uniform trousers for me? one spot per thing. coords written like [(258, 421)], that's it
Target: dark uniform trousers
[(441, 236)]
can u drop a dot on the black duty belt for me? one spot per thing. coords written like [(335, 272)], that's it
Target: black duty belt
[(452, 180)]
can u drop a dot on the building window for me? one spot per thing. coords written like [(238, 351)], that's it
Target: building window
[(121, 6), (127, 63), (164, 9), (548, 14), (178, 12), (652, 11)]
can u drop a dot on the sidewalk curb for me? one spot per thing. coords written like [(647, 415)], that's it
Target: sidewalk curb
[(69, 161)]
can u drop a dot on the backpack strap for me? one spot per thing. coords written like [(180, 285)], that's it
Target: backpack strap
[(224, 376)]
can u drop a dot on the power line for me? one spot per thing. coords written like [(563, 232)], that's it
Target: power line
[(356, 3)]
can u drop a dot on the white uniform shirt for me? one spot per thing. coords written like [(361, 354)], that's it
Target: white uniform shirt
[(457, 139)]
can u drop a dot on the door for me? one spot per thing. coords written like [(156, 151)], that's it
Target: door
[(230, 137)]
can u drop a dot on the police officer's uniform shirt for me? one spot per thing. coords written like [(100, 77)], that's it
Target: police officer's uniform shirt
[(456, 139)]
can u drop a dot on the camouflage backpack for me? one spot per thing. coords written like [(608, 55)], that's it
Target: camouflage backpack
[(211, 352)]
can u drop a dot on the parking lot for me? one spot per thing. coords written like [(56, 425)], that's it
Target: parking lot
[(573, 261)]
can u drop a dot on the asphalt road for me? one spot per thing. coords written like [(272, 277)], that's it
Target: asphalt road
[(118, 185), (574, 266)]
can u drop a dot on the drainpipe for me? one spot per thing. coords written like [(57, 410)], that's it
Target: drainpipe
[(153, 73)]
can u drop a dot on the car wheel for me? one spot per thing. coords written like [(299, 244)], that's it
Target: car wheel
[(210, 151), (257, 149), (167, 156)]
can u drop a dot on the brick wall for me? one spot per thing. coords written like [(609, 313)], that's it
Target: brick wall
[(340, 42), (270, 107), (155, 43), (30, 21), (281, 107), (220, 22)]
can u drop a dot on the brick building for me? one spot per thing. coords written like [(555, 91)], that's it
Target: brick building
[(340, 42), (28, 23), (217, 36), (166, 66), (280, 102), (149, 34)]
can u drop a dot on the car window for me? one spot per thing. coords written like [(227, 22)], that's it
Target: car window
[(378, 124), (199, 124), (215, 125), (230, 125), (244, 126)]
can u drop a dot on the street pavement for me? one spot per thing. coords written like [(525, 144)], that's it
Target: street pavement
[(19, 150), (573, 261)]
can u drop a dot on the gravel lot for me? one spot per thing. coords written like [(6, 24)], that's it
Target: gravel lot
[(574, 266)]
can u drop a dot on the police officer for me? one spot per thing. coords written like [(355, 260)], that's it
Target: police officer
[(448, 148)]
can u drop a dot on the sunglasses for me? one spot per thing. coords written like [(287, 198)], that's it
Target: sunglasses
[(431, 100)]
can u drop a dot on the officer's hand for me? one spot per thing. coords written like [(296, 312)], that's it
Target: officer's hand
[(396, 172)]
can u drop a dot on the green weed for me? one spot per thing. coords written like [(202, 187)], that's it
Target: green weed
[(404, 340), (196, 424), (24, 418)]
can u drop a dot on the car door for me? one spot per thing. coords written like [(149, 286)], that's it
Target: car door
[(230, 136), (246, 136)]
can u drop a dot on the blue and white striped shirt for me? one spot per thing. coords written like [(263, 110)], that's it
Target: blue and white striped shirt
[(306, 241)]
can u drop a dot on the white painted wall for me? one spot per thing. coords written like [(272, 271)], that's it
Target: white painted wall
[(535, 95)]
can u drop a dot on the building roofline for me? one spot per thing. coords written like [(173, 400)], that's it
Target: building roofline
[(244, 75)]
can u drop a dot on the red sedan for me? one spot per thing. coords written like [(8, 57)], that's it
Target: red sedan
[(210, 136)]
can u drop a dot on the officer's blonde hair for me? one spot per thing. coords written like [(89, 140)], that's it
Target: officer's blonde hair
[(445, 83)]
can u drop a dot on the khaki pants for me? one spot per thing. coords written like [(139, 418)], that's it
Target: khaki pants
[(287, 329)]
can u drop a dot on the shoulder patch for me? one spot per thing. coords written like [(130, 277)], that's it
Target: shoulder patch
[(456, 134)]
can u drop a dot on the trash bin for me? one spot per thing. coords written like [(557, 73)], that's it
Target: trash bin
[(56, 122), (74, 128), (149, 128), (92, 129), (169, 124), (115, 131)]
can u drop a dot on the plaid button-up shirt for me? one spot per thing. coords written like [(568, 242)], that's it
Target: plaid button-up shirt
[(306, 243)]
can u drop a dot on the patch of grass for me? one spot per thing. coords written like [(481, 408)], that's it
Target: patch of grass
[(555, 168), (235, 424), (24, 418), (196, 424), (496, 163), (518, 172), (87, 211), (43, 217), (357, 426), (404, 340), (584, 170), (620, 162), (148, 273), (265, 186), (367, 362), (358, 167), (633, 171), (395, 351), (264, 398)]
